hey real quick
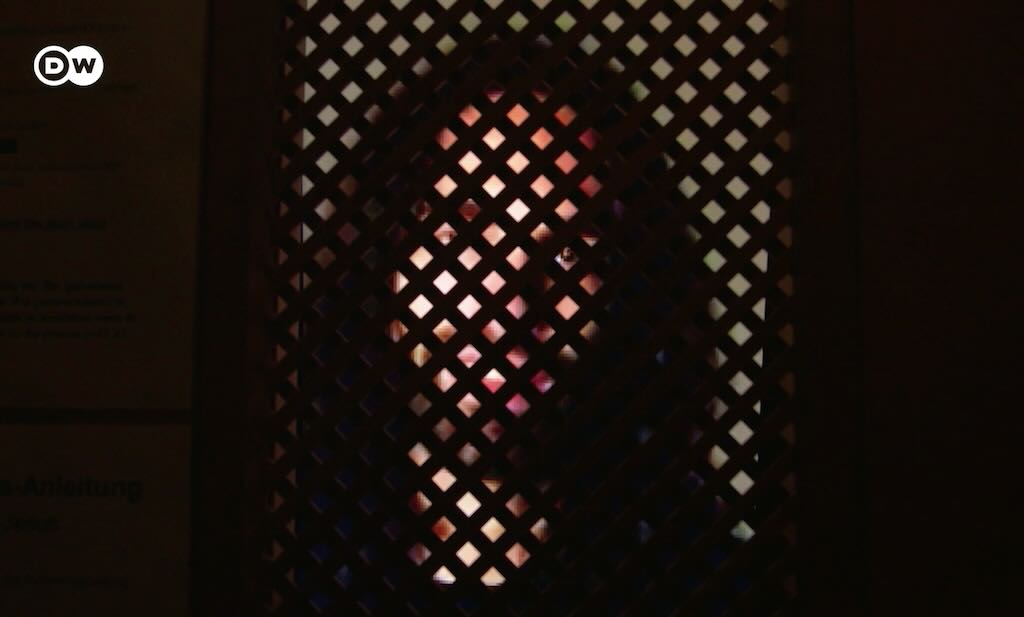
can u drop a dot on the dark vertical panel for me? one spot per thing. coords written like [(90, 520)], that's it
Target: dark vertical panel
[(939, 113), (829, 446), (238, 194)]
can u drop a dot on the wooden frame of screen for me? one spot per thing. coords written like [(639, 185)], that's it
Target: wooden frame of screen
[(232, 351), (239, 173), (831, 532)]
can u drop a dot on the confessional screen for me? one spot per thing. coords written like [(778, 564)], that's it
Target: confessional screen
[(531, 327)]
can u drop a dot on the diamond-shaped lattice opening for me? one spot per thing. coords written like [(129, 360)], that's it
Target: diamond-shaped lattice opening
[(468, 454), (567, 307), (469, 162), (517, 554), (445, 282), (444, 330), (494, 330), (542, 138), (469, 258), (444, 429), (445, 186), (494, 138), (517, 356), (493, 380), (492, 578), (469, 405), (493, 529), (468, 554), (443, 529), (517, 162), (419, 553), (420, 306), (518, 210), (493, 234), (445, 234), (419, 454), (493, 282), (493, 186), (493, 430), (469, 356), (468, 504), (444, 479), (469, 306)]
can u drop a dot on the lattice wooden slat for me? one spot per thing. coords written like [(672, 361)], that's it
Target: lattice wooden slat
[(533, 330)]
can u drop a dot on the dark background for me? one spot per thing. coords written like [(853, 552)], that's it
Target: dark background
[(930, 491), (940, 179), (936, 173)]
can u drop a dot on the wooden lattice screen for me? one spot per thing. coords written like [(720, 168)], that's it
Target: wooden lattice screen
[(533, 328)]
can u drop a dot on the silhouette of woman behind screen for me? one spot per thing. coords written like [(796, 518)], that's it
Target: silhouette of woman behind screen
[(532, 283), (529, 222)]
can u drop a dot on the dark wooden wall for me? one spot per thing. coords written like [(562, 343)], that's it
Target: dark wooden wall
[(941, 175)]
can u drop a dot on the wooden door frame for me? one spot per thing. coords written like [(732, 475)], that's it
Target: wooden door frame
[(832, 575), (234, 300)]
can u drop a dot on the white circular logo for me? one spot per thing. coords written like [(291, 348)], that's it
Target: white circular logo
[(55, 66)]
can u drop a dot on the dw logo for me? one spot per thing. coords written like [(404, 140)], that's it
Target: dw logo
[(55, 65)]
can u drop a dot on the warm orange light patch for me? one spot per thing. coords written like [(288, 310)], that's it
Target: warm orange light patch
[(517, 210), (590, 186), (566, 210), (517, 115), (469, 162), (589, 138), (446, 139), (493, 234), (566, 162), (469, 356), (565, 114), (542, 138), (469, 115), (518, 162), (445, 233), (542, 186), (445, 186), (469, 258), (494, 186), (493, 139)]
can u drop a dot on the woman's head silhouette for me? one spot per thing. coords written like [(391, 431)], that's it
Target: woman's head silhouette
[(519, 213)]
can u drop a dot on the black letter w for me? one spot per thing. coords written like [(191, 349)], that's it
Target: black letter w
[(81, 63)]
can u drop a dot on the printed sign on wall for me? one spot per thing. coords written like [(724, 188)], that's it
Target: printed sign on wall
[(100, 160), (94, 520)]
